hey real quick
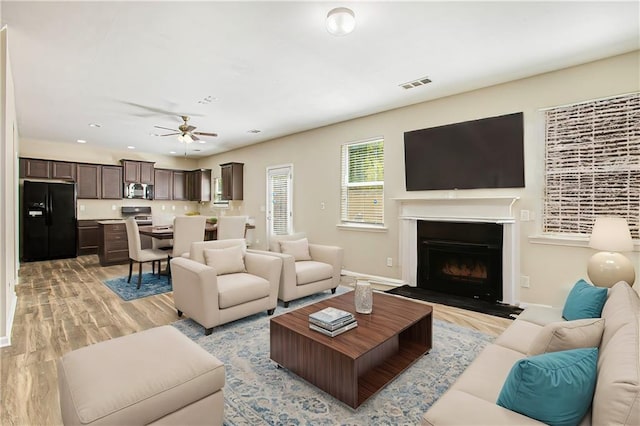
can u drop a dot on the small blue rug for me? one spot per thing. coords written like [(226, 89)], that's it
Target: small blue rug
[(257, 393), (151, 285)]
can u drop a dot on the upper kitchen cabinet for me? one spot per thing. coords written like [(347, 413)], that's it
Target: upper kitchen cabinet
[(231, 174), (138, 172), (89, 181), (198, 183), (179, 185), (111, 182), (32, 168), (164, 184)]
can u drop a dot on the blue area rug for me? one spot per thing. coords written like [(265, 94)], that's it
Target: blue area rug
[(151, 284), (258, 393)]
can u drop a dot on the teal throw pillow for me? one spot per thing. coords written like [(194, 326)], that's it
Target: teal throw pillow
[(555, 388), (584, 301)]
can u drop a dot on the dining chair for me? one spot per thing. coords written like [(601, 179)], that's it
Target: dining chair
[(162, 220), (231, 227), (138, 254), (187, 230)]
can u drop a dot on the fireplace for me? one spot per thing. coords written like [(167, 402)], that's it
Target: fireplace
[(460, 258), (473, 210)]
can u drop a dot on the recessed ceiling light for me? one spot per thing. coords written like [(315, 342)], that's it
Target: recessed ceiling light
[(131, 147), (172, 152), (201, 141), (254, 131), (95, 125), (81, 141)]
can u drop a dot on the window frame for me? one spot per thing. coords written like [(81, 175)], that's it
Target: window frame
[(345, 185)]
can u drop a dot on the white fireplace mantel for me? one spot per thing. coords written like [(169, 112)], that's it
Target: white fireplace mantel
[(461, 209)]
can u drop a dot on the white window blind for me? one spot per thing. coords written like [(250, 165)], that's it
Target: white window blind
[(280, 213), (362, 194), (592, 164)]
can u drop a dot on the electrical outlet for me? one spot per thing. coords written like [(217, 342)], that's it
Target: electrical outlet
[(113, 207), (524, 281), (81, 207), (525, 216), (322, 205), (389, 261), (163, 207), (173, 207)]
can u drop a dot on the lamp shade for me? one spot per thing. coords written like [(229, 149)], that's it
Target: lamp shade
[(341, 21), (611, 234)]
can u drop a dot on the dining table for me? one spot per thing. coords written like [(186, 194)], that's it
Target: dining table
[(166, 232)]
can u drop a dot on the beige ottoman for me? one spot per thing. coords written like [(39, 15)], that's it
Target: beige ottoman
[(157, 376)]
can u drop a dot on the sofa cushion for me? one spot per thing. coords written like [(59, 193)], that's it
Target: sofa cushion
[(555, 388), (299, 249), (519, 336), (310, 271), (541, 315), (565, 335), (584, 301), (486, 374), (225, 260), (196, 251), (236, 289), (617, 395), (274, 240)]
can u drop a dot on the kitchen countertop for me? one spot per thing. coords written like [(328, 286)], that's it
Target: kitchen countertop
[(110, 221)]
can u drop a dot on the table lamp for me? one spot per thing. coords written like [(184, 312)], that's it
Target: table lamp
[(607, 267)]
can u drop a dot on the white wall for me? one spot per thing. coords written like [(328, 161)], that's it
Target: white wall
[(315, 155), (8, 194)]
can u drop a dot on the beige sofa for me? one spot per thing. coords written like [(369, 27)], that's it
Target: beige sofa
[(212, 296), (472, 398)]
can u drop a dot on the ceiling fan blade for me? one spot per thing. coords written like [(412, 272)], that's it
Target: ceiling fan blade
[(194, 137), (165, 128), (170, 134), (190, 128), (205, 134)]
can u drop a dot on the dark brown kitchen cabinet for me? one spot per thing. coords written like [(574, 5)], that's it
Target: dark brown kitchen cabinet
[(113, 247), (88, 237), (179, 185), (163, 187), (199, 185), (138, 172), (32, 168), (89, 181), (63, 170), (111, 182), (231, 175)]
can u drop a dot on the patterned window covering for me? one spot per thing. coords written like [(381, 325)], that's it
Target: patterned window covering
[(592, 164)]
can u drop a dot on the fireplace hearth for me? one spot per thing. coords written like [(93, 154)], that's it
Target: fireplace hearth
[(460, 259)]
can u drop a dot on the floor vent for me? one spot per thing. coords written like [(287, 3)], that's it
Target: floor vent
[(415, 83)]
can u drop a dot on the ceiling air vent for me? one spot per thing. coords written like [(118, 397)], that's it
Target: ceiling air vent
[(415, 83)]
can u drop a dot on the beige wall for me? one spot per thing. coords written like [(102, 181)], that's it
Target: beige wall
[(8, 194), (315, 157)]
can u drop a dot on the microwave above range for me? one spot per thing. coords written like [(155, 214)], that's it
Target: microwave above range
[(141, 191)]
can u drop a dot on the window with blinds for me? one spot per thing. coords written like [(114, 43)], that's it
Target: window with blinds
[(592, 164), (362, 192), (279, 196)]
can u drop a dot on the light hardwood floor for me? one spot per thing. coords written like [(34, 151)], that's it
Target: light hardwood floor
[(63, 305)]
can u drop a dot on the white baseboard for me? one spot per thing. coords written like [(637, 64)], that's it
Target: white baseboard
[(6, 340), (374, 279)]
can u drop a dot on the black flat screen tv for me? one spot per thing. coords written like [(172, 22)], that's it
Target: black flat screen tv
[(485, 153)]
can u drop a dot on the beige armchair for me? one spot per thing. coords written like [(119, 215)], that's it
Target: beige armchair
[(304, 272), (221, 282)]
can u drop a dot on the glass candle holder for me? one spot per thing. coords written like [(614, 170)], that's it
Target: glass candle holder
[(363, 297)]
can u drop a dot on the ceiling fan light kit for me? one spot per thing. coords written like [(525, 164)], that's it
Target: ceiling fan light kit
[(186, 132), (341, 21)]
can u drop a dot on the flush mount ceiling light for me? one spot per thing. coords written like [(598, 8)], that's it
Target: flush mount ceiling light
[(81, 141), (341, 21)]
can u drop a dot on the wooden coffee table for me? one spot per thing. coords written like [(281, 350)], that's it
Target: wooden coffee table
[(358, 363)]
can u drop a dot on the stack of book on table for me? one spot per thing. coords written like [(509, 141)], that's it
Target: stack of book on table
[(332, 321)]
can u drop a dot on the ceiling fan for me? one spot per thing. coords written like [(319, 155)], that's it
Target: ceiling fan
[(186, 132)]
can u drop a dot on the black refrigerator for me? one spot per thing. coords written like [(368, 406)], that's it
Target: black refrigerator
[(49, 221)]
